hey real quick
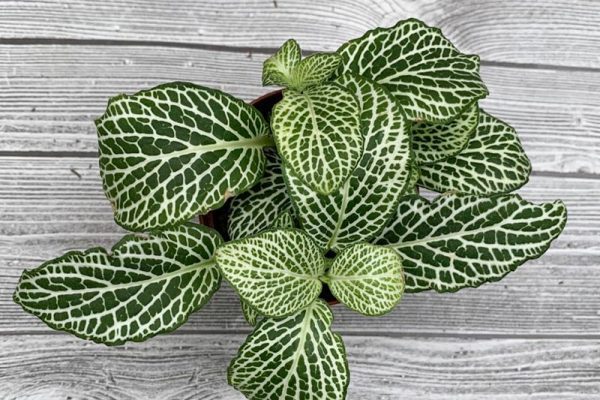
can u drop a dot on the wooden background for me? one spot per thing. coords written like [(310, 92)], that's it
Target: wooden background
[(535, 335)]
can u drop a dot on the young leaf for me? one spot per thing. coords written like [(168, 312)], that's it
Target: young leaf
[(367, 278), (493, 162), (363, 205), (461, 240), (250, 314), (318, 135), (275, 272), (169, 153), (412, 187), (314, 70), (432, 80), (432, 143), (145, 286), (257, 209), (277, 69), (297, 357), (284, 220)]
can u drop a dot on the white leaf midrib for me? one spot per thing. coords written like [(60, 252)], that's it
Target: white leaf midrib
[(460, 234), (254, 142), (345, 278), (342, 215), (301, 342), (111, 288)]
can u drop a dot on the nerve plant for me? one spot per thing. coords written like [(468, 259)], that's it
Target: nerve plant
[(326, 194)]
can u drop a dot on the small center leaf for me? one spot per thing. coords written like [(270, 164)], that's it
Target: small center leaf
[(318, 135), (276, 272), (277, 69), (367, 278), (314, 70)]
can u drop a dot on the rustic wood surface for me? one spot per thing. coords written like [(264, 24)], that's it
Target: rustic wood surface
[(534, 335)]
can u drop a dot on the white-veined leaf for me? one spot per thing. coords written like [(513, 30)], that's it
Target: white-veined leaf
[(297, 357), (284, 220), (145, 286), (432, 143), (258, 208), (432, 80), (276, 272), (169, 153), (367, 278), (277, 69), (462, 241), (368, 199), (413, 178), (314, 70), (250, 314), (318, 135), (493, 162)]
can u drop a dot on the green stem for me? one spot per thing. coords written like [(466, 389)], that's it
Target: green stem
[(266, 141)]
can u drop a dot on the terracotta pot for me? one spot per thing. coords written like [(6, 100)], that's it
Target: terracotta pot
[(217, 219)]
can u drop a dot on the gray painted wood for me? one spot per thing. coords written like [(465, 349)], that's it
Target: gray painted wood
[(191, 367), (49, 105), (537, 31), (535, 335)]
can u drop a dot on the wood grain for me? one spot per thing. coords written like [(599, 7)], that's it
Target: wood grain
[(50, 105), (540, 31), (534, 335), (51, 205), (193, 367)]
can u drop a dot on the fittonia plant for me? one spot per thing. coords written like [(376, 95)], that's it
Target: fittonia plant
[(325, 195)]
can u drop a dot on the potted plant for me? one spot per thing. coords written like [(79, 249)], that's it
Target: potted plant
[(313, 194)]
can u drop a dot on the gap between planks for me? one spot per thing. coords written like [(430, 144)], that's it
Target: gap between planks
[(246, 49), (344, 333)]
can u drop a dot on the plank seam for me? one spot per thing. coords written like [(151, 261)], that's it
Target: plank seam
[(29, 41), (395, 335), (94, 154)]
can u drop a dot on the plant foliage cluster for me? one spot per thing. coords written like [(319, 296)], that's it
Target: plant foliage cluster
[(326, 193)]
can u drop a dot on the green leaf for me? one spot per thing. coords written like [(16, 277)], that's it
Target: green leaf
[(462, 241), (432, 143), (277, 69), (368, 199), (169, 153), (250, 314), (314, 70), (318, 135), (284, 220), (493, 162), (413, 178), (276, 272), (432, 80), (367, 278), (258, 208), (297, 357), (145, 286)]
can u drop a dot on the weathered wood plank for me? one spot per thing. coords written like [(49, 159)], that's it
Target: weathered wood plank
[(193, 367), (541, 31), (51, 205), (50, 104)]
